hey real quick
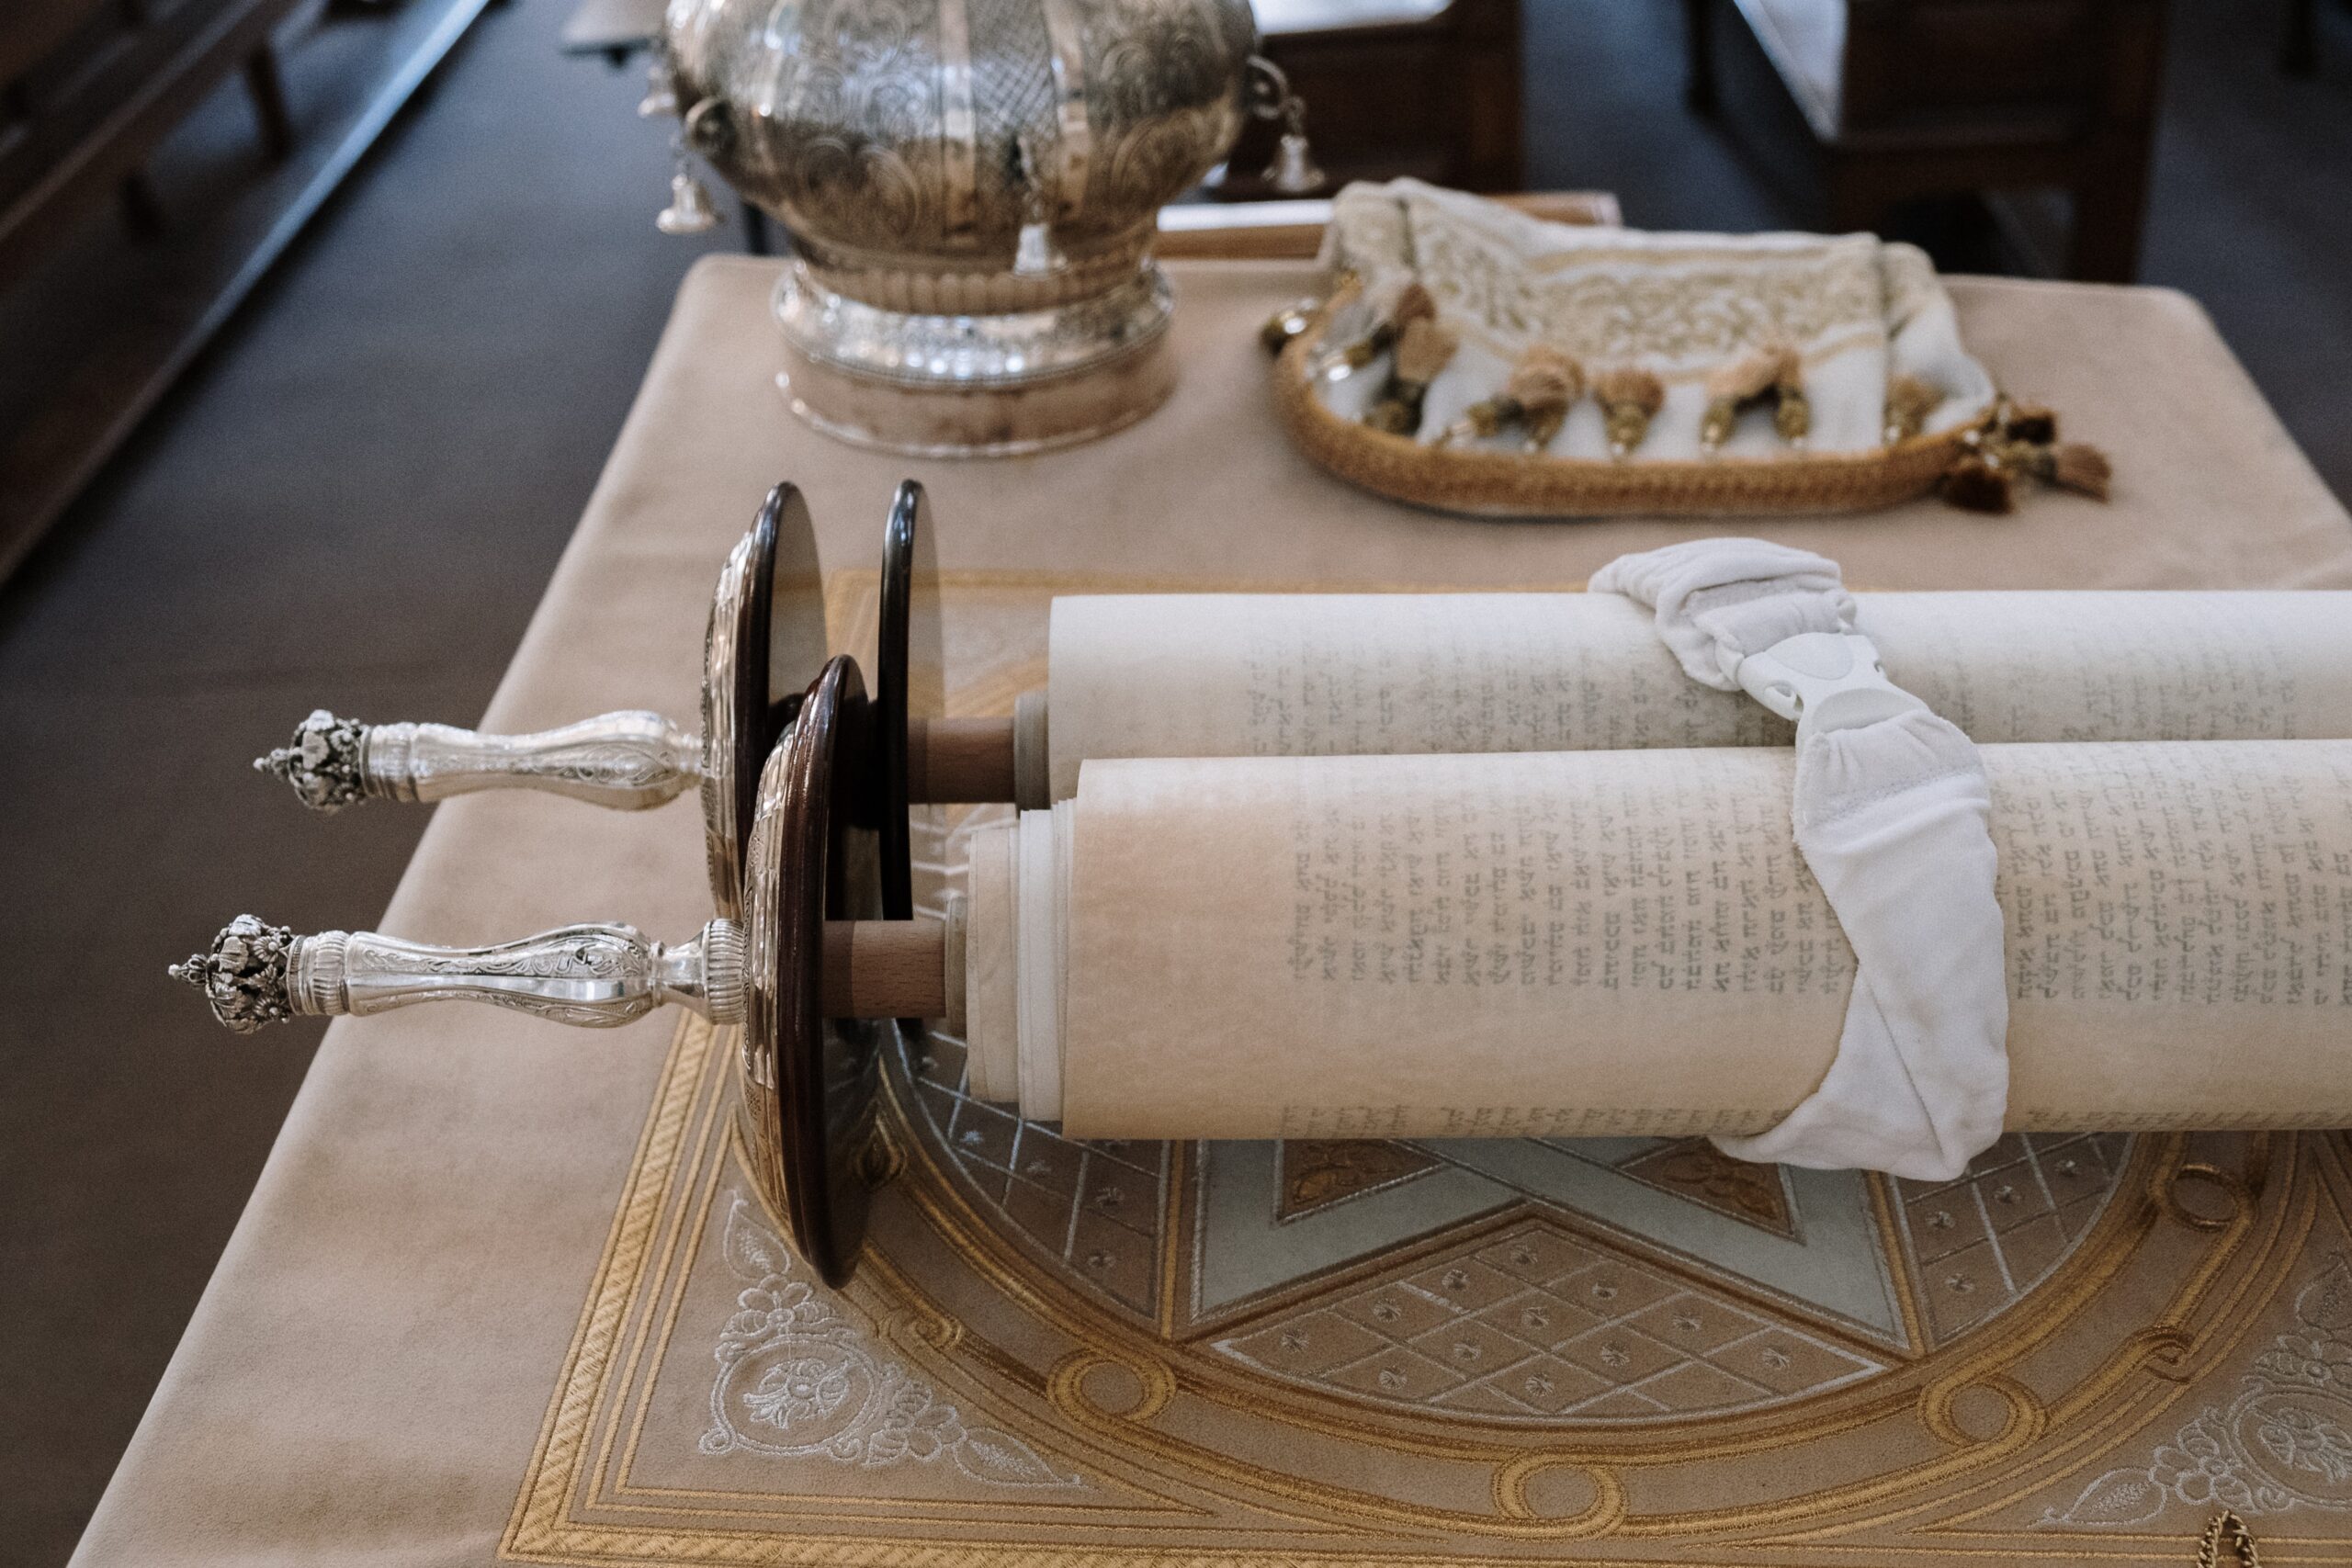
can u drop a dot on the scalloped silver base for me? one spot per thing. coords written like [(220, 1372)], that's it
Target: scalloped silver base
[(975, 386)]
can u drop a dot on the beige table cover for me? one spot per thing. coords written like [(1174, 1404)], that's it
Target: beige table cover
[(501, 1293)]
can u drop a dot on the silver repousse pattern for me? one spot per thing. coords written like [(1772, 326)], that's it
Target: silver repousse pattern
[(626, 761), (596, 976), (1005, 348), (722, 854), (904, 142)]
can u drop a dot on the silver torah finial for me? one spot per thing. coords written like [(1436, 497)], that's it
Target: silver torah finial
[(325, 763), (626, 761), (593, 975), (243, 976)]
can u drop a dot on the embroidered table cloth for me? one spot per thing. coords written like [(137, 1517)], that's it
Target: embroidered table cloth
[(501, 1293)]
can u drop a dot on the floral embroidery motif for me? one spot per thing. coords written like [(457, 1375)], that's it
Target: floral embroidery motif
[(797, 1378), (2285, 1442), (1674, 305), (1681, 308)]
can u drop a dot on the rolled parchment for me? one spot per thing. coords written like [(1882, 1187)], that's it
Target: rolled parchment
[(1628, 943), (1244, 675)]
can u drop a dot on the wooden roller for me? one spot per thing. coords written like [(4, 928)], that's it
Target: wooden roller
[(960, 760), (885, 969)]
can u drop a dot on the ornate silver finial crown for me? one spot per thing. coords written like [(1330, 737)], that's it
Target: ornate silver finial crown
[(326, 763), (244, 979)]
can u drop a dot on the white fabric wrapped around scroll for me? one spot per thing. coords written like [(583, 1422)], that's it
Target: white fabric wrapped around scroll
[(1889, 808), (1309, 674)]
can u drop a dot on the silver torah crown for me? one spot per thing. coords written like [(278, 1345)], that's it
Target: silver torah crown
[(626, 761), (243, 976), (597, 977)]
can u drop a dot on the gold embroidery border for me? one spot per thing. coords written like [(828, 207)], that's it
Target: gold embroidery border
[(1485, 481), (1927, 1387), (648, 1220)]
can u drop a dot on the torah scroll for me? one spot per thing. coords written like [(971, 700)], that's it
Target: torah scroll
[(1286, 675), (1627, 942)]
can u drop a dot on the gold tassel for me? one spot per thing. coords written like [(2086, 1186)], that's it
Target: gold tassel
[(1978, 482), (1792, 417), (2015, 441), (1392, 307), (1774, 372), (1730, 388), (2030, 422), (1543, 383), (1909, 401), (2081, 467), (2076, 466), (1423, 349), (1629, 397), (1792, 413)]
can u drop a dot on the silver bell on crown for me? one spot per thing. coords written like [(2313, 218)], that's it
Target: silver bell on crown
[(661, 90), (971, 192), (1294, 171), (690, 211)]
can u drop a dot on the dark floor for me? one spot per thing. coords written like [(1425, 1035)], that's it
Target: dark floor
[(357, 497)]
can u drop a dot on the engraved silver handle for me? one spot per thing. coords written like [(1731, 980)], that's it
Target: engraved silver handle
[(626, 760), (595, 976)]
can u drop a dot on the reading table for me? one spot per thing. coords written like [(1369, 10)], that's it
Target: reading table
[(503, 1294)]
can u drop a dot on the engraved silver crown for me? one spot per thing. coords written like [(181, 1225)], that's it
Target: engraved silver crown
[(326, 761), (972, 189), (244, 977), (908, 145)]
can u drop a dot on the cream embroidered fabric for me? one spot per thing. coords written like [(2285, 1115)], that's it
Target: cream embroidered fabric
[(1857, 308)]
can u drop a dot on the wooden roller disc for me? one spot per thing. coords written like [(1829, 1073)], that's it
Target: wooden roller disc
[(922, 756), (909, 686), (808, 1077), (767, 617)]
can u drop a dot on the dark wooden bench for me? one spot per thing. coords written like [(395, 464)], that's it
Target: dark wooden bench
[(89, 90), (88, 87), (1873, 103)]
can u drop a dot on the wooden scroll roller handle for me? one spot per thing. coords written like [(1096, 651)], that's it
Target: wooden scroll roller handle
[(590, 975)]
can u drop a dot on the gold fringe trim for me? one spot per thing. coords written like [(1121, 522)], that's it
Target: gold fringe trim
[(1510, 484)]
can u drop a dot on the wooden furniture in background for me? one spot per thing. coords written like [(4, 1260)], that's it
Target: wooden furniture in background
[(88, 90), (1873, 103), (1422, 87), (88, 87)]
